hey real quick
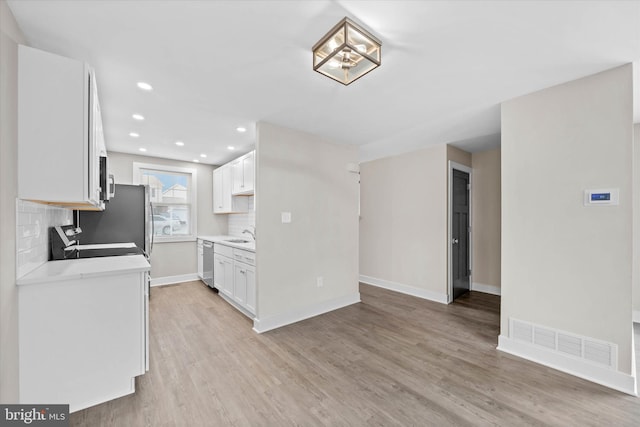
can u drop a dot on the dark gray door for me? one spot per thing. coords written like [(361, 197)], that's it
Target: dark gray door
[(460, 273)]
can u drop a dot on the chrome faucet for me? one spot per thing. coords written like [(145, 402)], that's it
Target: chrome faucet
[(253, 233)]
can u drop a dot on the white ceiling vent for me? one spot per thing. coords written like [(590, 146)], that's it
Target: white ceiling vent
[(585, 348)]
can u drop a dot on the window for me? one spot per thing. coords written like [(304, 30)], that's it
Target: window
[(172, 192)]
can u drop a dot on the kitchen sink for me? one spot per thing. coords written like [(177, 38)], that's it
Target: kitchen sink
[(238, 241)]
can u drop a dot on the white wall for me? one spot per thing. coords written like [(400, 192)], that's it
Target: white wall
[(176, 258), (403, 225), (10, 37), (485, 220), (307, 176), (564, 265)]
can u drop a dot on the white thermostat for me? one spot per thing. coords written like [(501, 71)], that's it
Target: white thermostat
[(604, 196)]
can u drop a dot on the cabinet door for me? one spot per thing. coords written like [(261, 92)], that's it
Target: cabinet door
[(228, 276), (226, 189), (243, 174), (218, 204), (240, 283), (237, 176), (58, 121), (223, 274), (95, 125), (248, 168)]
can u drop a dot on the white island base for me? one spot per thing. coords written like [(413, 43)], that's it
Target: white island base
[(83, 331)]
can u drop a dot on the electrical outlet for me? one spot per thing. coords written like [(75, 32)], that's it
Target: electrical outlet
[(320, 281), (286, 217)]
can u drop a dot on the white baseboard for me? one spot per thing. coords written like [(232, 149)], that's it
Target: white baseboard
[(487, 289), (171, 280), (405, 289), (279, 320), (636, 316), (607, 377)]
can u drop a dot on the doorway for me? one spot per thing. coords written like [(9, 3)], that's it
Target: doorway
[(459, 230)]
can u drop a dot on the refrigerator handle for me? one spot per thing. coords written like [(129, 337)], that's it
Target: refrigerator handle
[(153, 228)]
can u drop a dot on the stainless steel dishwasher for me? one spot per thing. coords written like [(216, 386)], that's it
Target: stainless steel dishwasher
[(207, 263)]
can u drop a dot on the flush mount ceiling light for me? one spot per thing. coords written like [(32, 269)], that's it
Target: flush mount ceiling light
[(347, 52)]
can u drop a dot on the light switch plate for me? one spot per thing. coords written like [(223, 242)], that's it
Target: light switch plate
[(286, 217)]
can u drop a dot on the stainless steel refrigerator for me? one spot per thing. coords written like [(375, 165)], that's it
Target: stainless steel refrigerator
[(127, 217)]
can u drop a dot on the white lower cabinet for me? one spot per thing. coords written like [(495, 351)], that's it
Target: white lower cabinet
[(83, 341), (235, 277), (223, 274), (244, 279)]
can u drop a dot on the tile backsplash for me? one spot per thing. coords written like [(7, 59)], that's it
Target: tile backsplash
[(32, 233), (241, 221)]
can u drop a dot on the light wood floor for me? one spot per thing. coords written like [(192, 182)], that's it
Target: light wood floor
[(392, 360)]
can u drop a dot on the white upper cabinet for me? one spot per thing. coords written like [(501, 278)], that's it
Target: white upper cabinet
[(243, 171), (232, 183), (221, 178), (223, 201), (60, 137)]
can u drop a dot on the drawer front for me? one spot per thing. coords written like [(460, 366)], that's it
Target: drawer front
[(246, 257), (223, 250)]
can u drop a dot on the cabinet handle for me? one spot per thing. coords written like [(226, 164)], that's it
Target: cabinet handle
[(243, 271)]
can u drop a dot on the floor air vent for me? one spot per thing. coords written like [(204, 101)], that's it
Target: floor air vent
[(599, 352)]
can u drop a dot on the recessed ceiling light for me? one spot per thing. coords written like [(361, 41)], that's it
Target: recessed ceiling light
[(196, 161), (134, 134), (138, 116), (241, 129), (145, 86), (179, 143), (203, 156), (231, 147), (142, 149)]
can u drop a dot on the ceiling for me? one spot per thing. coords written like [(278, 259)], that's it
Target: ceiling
[(217, 65)]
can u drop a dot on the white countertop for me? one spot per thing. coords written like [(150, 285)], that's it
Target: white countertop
[(69, 269), (224, 240)]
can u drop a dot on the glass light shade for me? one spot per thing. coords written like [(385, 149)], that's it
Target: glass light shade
[(347, 52)]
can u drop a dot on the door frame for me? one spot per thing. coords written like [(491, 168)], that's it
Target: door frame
[(457, 166)]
